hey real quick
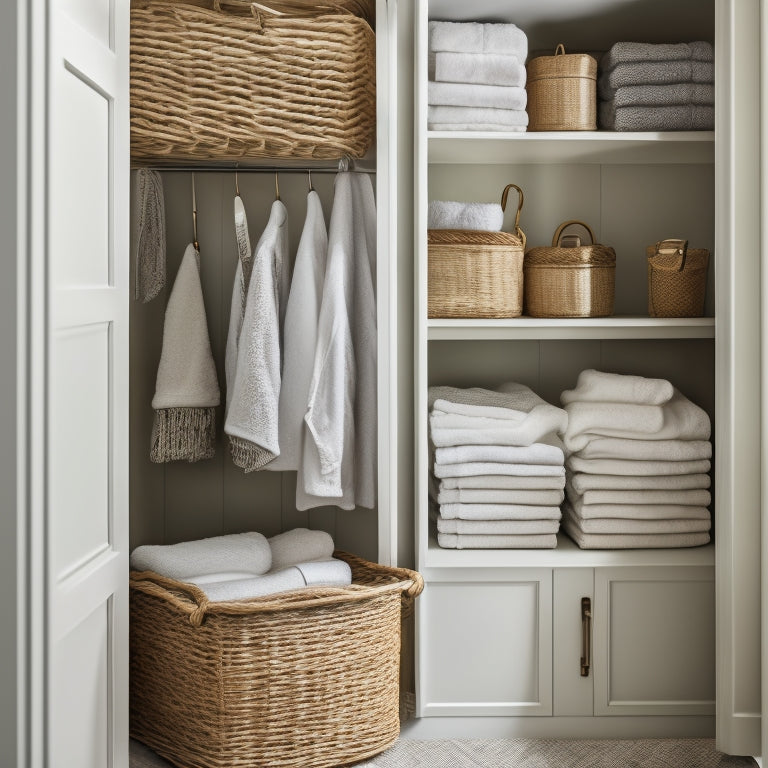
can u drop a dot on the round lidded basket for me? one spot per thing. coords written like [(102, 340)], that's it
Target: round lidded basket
[(562, 92), (570, 280), (474, 273), (677, 279)]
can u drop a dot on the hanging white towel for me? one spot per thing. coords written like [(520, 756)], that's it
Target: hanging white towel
[(252, 417), (340, 454)]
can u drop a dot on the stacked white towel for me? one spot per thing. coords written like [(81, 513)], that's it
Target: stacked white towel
[(638, 464), (657, 87), (498, 468), (476, 77)]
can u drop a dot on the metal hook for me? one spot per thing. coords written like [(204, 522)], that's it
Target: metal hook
[(309, 173), (194, 216), (277, 187)]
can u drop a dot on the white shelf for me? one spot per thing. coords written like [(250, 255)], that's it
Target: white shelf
[(617, 327), (603, 147)]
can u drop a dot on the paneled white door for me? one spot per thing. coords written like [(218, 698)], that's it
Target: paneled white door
[(86, 372)]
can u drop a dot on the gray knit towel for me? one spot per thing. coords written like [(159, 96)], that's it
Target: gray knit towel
[(685, 117), (700, 94), (654, 73), (629, 53)]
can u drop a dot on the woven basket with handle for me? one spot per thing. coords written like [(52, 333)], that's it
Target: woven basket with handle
[(474, 273), (303, 678), (233, 79), (568, 279), (677, 279)]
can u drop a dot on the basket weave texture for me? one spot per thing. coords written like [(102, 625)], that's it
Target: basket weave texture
[(677, 281), (570, 282), (225, 80), (562, 92), (304, 678)]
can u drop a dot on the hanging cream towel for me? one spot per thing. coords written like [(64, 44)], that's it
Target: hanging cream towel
[(252, 416)]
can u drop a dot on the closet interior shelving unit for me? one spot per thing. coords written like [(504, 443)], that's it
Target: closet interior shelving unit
[(500, 633)]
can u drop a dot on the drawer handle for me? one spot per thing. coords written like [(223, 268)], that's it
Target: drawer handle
[(586, 634)]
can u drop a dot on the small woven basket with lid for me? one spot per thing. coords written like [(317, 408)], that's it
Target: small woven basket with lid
[(677, 279)]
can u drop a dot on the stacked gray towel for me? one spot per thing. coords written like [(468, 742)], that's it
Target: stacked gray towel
[(657, 87), (476, 77), (498, 468), (638, 464)]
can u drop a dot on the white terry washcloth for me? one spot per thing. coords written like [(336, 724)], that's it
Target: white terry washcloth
[(646, 450), (630, 468), (584, 482), (300, 336), (472, 115), (252, 413), (497, 527), (237, 552), (632, 52), (509, 541), (478, 69), (476, 37), (330, 573), (599, 387), (632, 540), (624, 525), (470, 468), (697, 497), (536, 453), (501, 482), (477, 95), (300, 545), (340, 448), (546, 498), (447, 214), (638, 511), (499, 512)]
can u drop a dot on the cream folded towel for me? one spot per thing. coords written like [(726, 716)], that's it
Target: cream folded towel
[(480, 115), (509, 541), (638, 511), (547, 498), (644, 450), (536, 453), (477, 69), (599, 387), (584, 482), (509, 482), (632, 540), (624, 525), (299, 545), (629, 467), (456, 215), (497, 527), (490, 468), (698, 497), (237, 552), (476, 37), (477, 95), (499, 512)]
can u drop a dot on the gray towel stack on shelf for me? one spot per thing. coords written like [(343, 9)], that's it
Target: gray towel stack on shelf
[(637, 465), (657, 87), (476, 77), (498, 468)]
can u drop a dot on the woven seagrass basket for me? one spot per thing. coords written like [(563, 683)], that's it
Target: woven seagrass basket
[(677, 279), (474, 273), (232, 79), (302, 678), (570, 281), (562, 92)]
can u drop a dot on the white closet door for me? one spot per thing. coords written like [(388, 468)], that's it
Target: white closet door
[(86, 375)]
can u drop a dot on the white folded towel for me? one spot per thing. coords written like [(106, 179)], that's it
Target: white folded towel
[(329, 573), (638, 511), (478, 69), (536, 453), (510, 482), (499, 512), (697, 497), (584, 482), (633, 540), (238, 552), (599, 387), (509, 541), (482, 115), (479, 127), (643, 450), (447, 214), (624, 525), (490, 468), (477, 95), (476, 37), (630, 467), (547, 498), (497, 527), (299, 545)]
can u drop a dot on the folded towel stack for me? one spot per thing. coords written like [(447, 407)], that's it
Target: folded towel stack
[(637, 467), (476, 77), (657, 87), (498, 468)]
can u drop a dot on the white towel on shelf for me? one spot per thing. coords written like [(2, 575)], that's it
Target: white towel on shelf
[(584, 482), (697, 497), (238, 552), (477, 69), (499, 512), (300, 336), (497, 527), (252, 413), (479, 127), (599, 387), (477, 37), (536, 453), (638, 511), (630, 467), (482, 115), (501, 482), (477, 95), (632, 540), (449, 214), (547, 498), (508, 541), (624, 525), (300, 545), (470, 468), (645, 450)]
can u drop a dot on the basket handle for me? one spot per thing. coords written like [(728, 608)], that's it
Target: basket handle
[(504, 195), (154, 583), (560, 50), (671, 246), (559, 231), (271, 8)]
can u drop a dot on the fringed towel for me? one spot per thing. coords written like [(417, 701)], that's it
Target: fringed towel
[(187, 390), (150, 256)]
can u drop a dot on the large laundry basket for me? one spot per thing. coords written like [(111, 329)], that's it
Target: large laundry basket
[(303, 678)]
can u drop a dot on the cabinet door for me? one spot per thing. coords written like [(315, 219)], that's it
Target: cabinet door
[(487, 645), (654, 641)]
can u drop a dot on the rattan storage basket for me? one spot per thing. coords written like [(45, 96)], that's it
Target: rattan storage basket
[(562, 92), (677, 279), (474, 273), (575, 281), (303, 678), (231, 79)]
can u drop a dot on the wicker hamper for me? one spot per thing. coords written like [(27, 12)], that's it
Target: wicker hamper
[(570, 281), (677, 279), (562, 92), (303, 678), (474, 273), (232, 79)]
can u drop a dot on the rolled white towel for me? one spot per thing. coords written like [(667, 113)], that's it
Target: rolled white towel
[(585, 482), (629, 467), (536, 453), (476, 37), (643, 450), (600, 387), (300, 545), (477, 69), (238, 552), (476, 95), (447, 214), (477, 115)]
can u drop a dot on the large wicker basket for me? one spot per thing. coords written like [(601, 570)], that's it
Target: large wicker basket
[(474, 273), (677, 279), (570, 281), (303, 678), (231, 79)]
